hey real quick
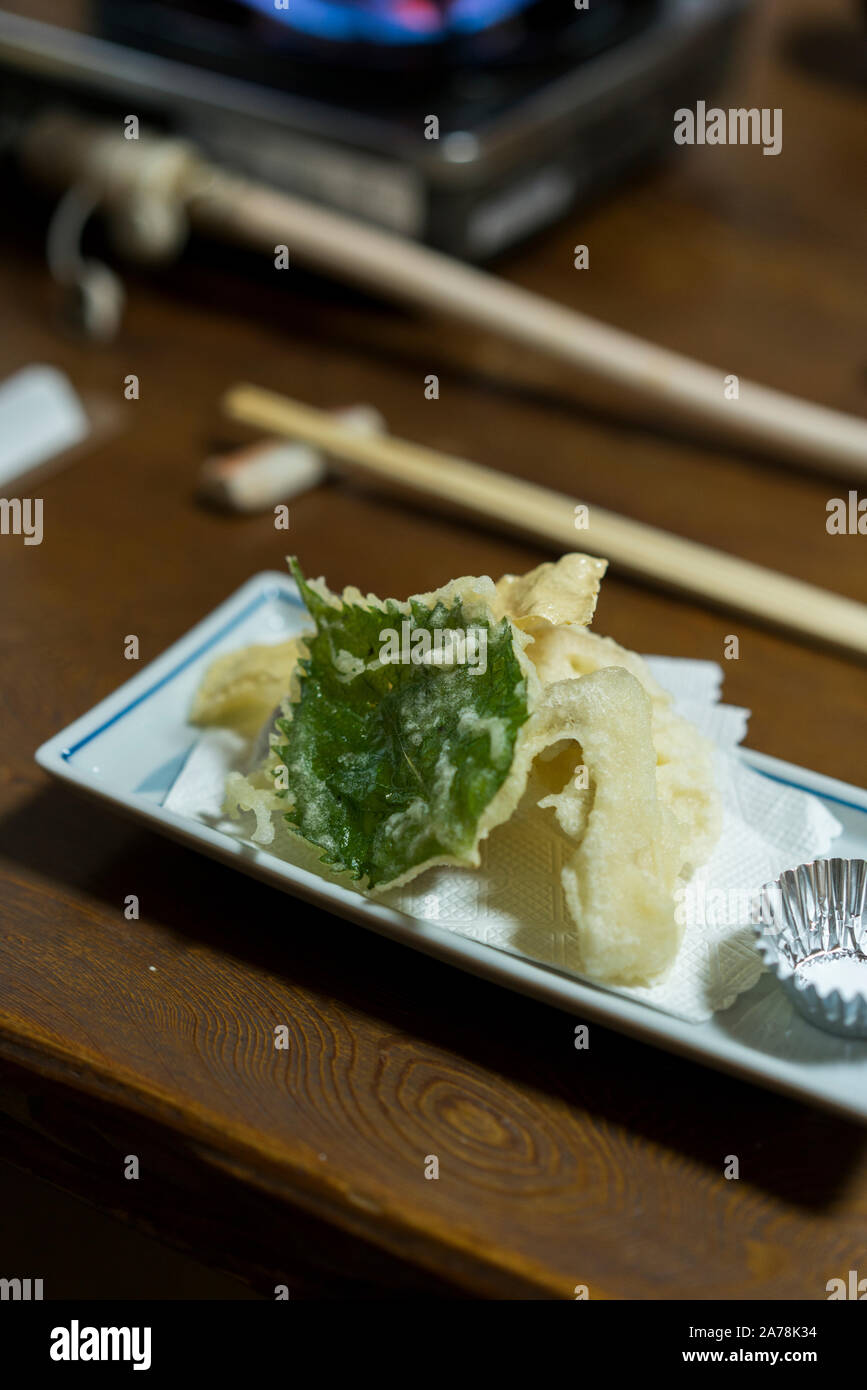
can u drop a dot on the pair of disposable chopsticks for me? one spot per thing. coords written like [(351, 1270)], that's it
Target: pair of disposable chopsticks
[(517, 505)]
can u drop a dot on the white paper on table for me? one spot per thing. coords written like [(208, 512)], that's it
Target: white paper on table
[(40, 417)]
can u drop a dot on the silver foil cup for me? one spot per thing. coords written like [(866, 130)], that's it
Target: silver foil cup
[(811, 928)]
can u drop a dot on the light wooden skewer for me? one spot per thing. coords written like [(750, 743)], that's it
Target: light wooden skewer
[(517, 505), (409, 273), (172, 179)]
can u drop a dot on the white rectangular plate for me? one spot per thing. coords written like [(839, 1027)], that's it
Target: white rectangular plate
[(130, 747)]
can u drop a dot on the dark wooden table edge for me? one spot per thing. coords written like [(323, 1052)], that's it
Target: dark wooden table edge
[(290, 1179)]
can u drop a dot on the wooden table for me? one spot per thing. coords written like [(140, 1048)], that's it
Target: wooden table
[(557, 1167)]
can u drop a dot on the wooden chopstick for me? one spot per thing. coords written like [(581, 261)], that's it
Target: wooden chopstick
[(62, 149), (517, 505), (402, 270)]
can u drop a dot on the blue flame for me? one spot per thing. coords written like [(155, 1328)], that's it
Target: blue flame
[(388, 21)]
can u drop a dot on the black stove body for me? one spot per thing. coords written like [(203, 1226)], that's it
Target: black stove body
[(468, 125)]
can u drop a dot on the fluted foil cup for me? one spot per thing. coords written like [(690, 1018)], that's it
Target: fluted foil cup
[(811, 930)]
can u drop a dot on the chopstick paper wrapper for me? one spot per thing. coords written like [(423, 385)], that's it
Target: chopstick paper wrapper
[(514, 902), (254, 478)]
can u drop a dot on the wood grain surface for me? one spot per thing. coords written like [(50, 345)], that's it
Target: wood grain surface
[(155, 1037)]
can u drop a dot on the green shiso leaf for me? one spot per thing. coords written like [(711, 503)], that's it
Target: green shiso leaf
[(390, 766)]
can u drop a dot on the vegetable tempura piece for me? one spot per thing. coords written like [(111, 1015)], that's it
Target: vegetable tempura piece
[(552, 594), (395, 751), (684, 771), (241, 689), (554, 604), (619, 882)]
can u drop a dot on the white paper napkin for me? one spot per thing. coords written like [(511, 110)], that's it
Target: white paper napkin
[(515, 902)]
